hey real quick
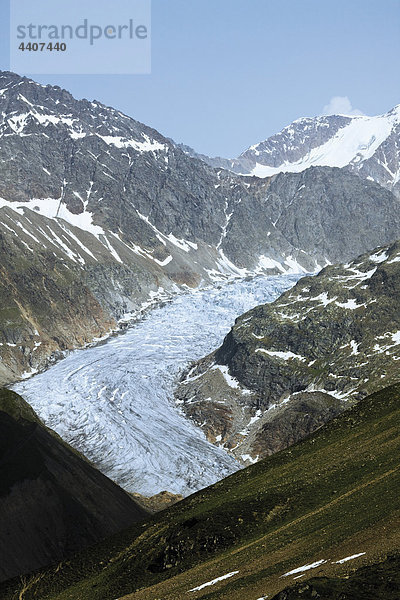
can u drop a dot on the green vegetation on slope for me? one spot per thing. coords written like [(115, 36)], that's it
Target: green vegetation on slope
[(326, 498), (15, 406), (372, 582)]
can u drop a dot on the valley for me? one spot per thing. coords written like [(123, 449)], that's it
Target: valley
[(114, 402), (99, 213), (224, 331)]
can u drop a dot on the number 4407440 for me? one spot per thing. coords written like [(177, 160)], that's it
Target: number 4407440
[(40, 47)]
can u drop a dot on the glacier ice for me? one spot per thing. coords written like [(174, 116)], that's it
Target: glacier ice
[(113, 402)]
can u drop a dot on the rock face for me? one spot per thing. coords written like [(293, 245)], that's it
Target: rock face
[(286, 368), (367, 146), (317, 210), (45, 308), (101, 215), (52, 501), (144, 201)]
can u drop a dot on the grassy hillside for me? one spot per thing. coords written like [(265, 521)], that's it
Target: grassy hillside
[(371, 582), (329, 497)]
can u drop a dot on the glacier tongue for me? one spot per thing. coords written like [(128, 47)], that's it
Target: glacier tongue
[(113, 401)]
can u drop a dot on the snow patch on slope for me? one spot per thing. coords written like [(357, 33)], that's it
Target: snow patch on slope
[(214, 581), (305, 568), (148, 145), (54, 208)]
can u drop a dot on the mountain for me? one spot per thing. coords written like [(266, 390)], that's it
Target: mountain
[(101, 217), (326, 508), (367, 146), (52, 501), (287, 367)]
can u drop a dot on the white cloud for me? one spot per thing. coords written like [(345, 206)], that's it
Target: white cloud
[(340, 105)]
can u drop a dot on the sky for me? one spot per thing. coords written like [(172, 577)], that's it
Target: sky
[(229, 73)]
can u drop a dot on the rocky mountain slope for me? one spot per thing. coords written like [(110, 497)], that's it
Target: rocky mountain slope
[(286, 368), (101, 215), (52, 501), (326, 507), (45, 306), (367, 146)]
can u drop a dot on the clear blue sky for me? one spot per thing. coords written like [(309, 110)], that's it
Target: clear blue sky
[(229, 73)]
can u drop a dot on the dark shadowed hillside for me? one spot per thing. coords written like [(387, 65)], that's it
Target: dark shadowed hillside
[(52, 501)]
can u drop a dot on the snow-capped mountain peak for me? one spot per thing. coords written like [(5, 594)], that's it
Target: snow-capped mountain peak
[(368, 146), (334, 141)]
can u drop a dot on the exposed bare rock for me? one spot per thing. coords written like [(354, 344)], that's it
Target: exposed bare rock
[(158, 502)]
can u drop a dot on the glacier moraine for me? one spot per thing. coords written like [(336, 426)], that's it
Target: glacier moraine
[(114, 401)]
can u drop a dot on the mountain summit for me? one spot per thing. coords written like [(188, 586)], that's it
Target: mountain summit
[(367, 146)]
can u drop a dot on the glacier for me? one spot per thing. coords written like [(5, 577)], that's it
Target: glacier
[(114, 402)]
